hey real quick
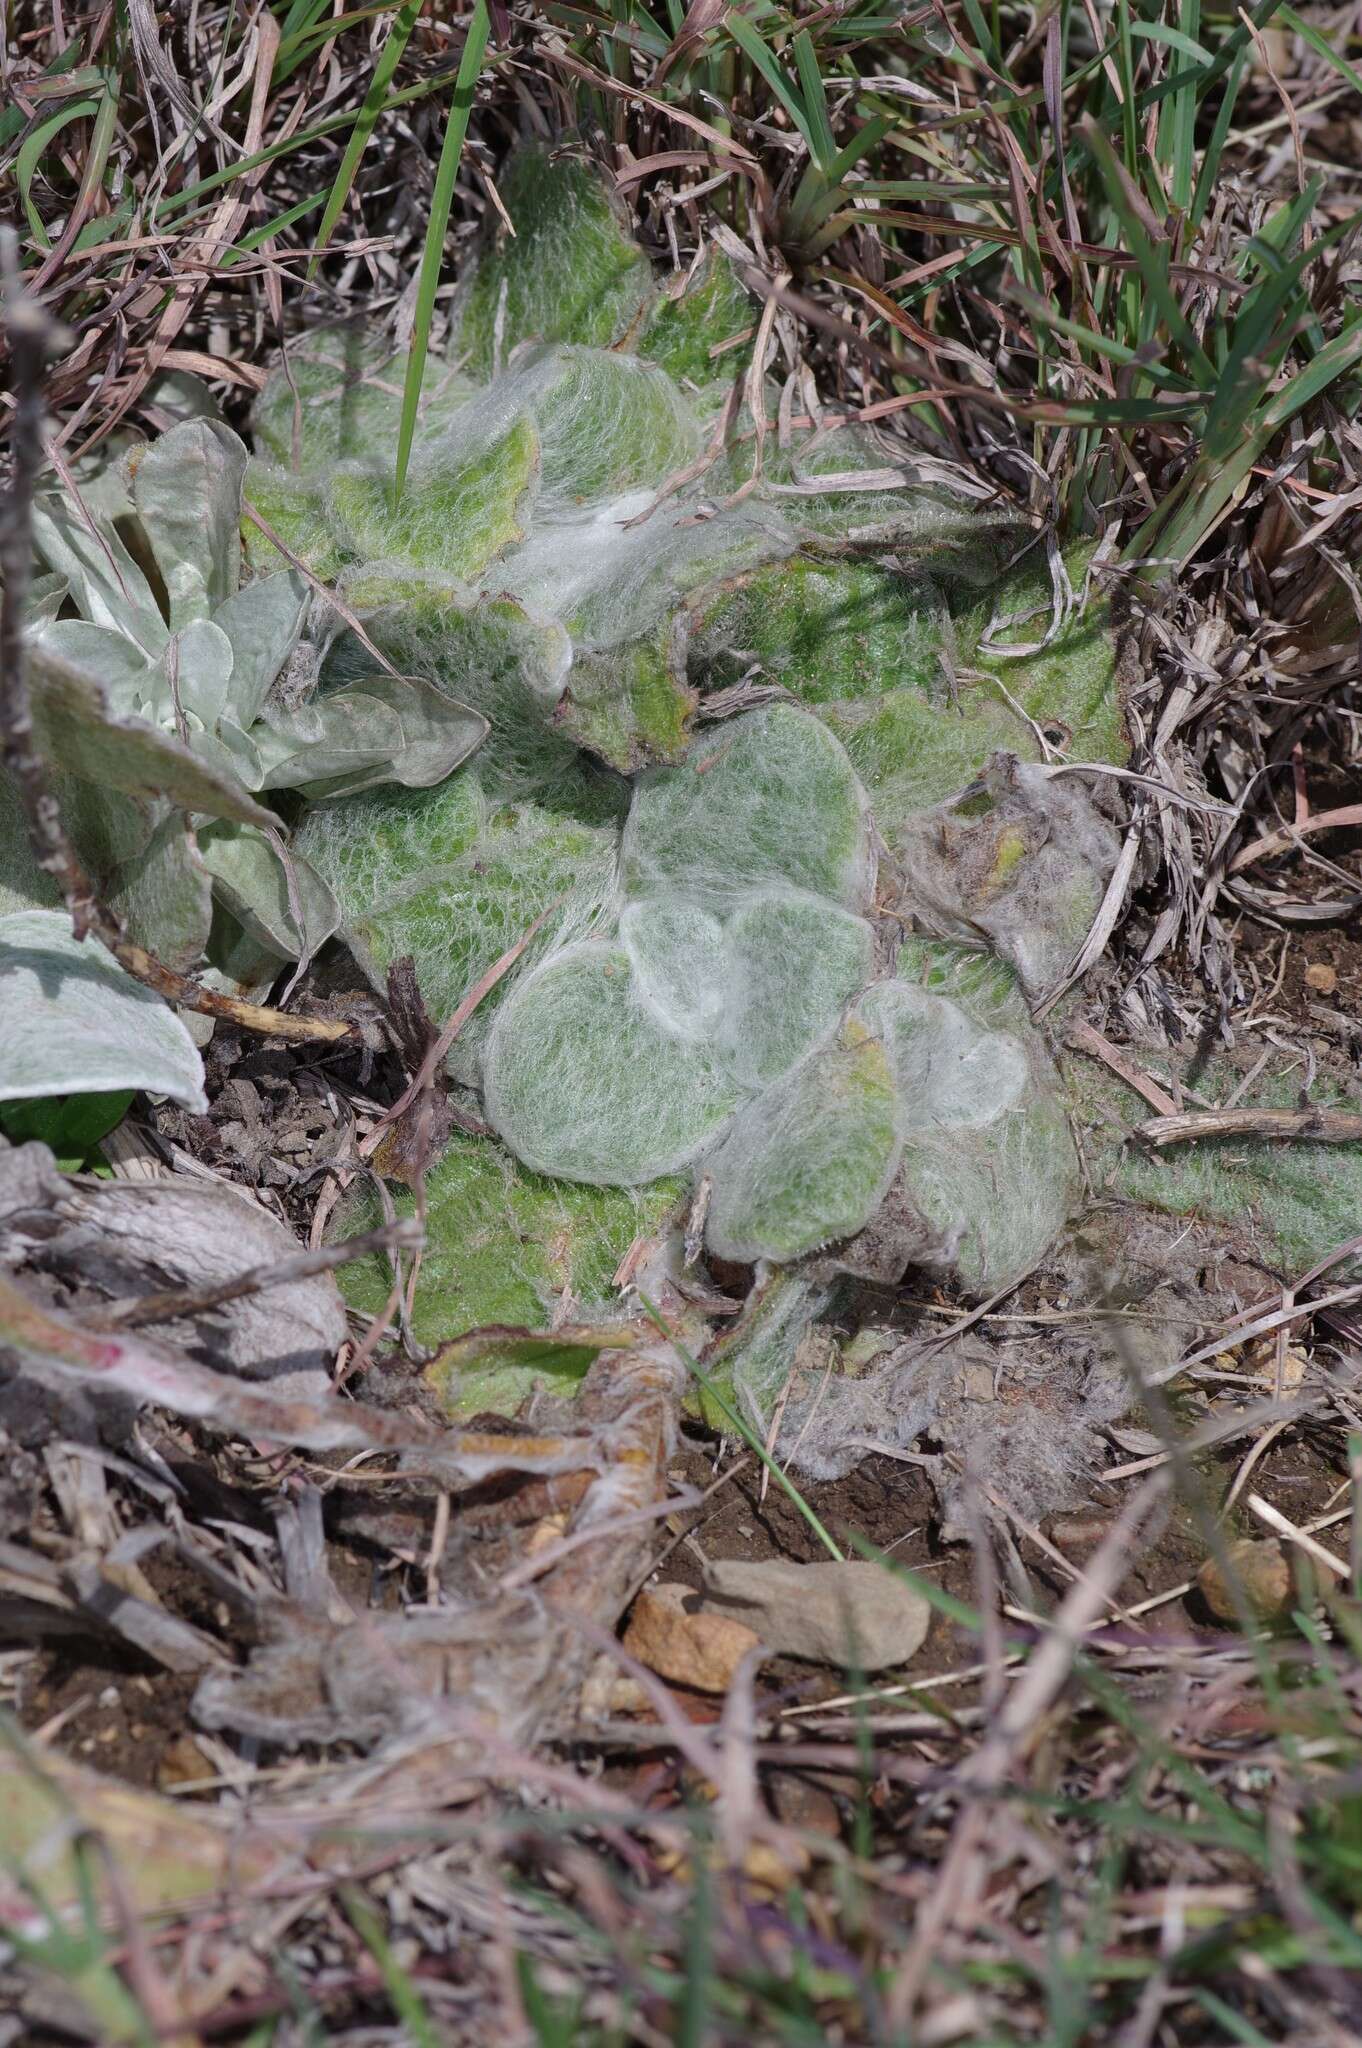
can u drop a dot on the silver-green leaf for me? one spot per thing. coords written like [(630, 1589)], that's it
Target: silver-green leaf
[(72, 1022)]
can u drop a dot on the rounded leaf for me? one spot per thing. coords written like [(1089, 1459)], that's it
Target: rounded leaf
[(186, 486), (809, 1161), (583, 1082), (677, 952), (770, 798), (793, 961)]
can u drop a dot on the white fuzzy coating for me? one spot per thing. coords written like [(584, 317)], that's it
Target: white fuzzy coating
[(769, 800), (949, 1070), (485, 653), (810, 1159), (586, 1084), (988, 1157), (677, 951), (608, 422), (614, 1063), (792, 961), (455, 878), (610, 573)]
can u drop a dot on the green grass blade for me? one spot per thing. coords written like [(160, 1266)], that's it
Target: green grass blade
[(1322, 47), (432, 255), (861, 144), (407, 2002), (329, 124), (1099, 344), (1151, 260), (394, 43), (1236, 2026), (1263, 333), (755, 50), (692, 2021), (311, 39), (250, 242), (1177, 123), (1179, 525), (1175, 38), (1239, 41), (1215, 147), (822, 142), (1333, 361), (985, 39), (1125, 65), (30, 154)]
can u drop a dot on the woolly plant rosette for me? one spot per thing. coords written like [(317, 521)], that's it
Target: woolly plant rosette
[(724, 702)]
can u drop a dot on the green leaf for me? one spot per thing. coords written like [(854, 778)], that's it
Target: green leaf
[(570, 272), (383, 729), (199, 661), (753, 47), (276, 896), (162, 890), (262, 622), (1281, 1206), (467, 504), (31, 152), (133, 686), (988, 1160), (1160, 32), (488, 654), (809, 1161), (73, 1022), (294, 508), (1151, 258), (76, 731), (503, 1246), (186, 486), (584, 1082), (455, 878), (683, 330), (791, 962), (822, 144), (23, 884), (768, 798), (105, 582), (631, 706), (499, 1368), (877, 652), (70, 1126), (339, 399)]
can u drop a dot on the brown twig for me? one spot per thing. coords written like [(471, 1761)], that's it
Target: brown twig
[(1316, 1126), (1089, 1040), (31, 335)]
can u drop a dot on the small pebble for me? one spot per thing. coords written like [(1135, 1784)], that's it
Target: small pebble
[(1079, 1531), (1322, 978), (1259, 1571), (182, 1763), (698, 1649)]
